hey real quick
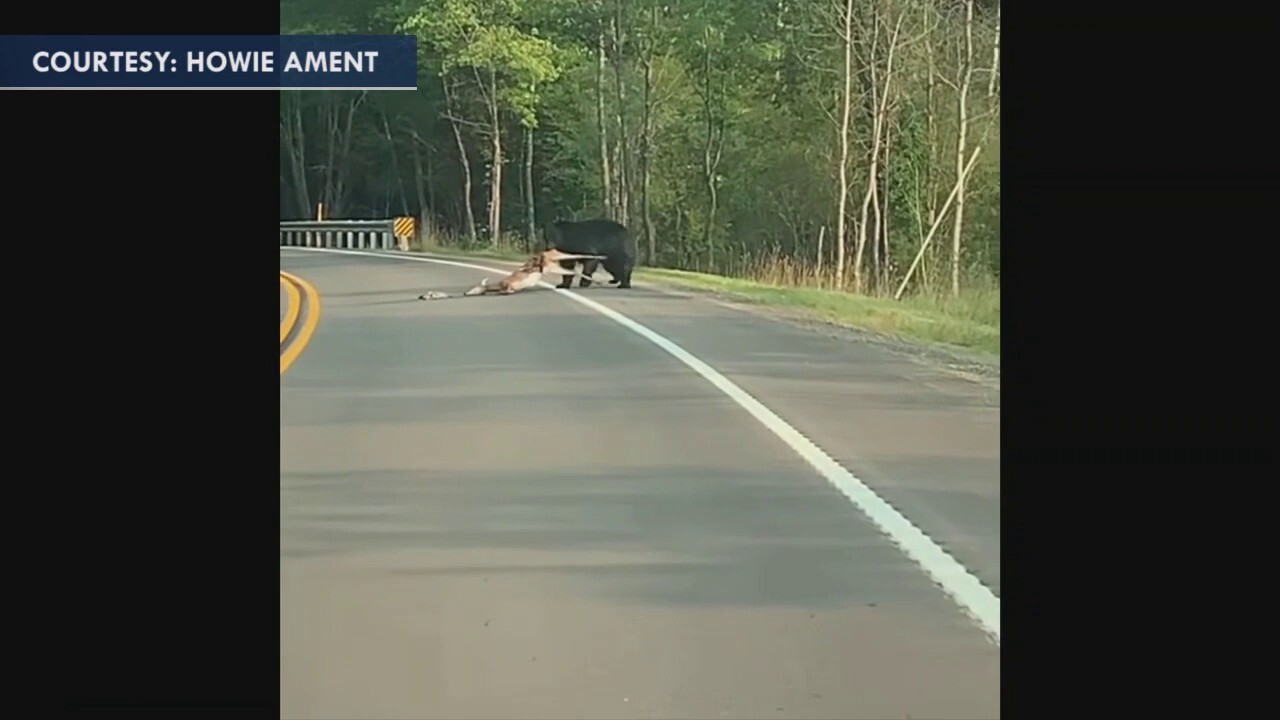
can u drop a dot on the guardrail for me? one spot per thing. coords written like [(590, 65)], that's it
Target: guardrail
[(345, 234)]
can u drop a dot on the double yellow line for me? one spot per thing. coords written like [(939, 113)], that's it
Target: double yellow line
[(299, 291)]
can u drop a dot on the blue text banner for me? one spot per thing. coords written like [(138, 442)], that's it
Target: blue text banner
[(208, 62)]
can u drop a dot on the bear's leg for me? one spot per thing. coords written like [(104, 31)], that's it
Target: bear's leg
[(588, 267), (566, 281), (620, 270)]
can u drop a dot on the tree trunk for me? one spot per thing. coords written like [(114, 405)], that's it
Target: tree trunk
[(295, 139), (883, 219), (710, 158), (931, 118), (846, 102), (962, 124), (869, 192), (395, 164), (817, 266), (646, 141), (468, 215), (419, 178), (337, 204), (495, 176), (924, 244), (429, 209), (880, 93), (606, 195), (530, 223), (995, 57), (713, 201), (624, 160), (331, 150), (615, 154)]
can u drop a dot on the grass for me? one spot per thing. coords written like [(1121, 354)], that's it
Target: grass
[(971, 321)]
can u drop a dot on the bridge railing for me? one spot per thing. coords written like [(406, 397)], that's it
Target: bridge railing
[(392, 234)]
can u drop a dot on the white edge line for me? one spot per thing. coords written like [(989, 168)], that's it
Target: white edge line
[(975, 599)]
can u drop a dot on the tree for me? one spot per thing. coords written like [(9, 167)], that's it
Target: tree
[(785, 140), (962, 136), (482, 41)]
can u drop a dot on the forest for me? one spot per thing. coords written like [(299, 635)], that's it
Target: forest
[(844, 145)]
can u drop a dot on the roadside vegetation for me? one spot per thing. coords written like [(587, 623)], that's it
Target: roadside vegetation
[(834, 159)]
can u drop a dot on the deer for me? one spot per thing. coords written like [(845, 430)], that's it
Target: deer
[(522, 278)]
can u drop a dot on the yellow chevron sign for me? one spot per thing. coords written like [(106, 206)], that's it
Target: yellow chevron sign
[(403, 227)]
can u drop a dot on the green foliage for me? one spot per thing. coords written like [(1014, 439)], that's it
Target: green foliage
[(762, 76), (489, 38)]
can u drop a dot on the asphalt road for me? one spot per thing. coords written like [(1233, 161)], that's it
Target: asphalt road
[(515, 507)]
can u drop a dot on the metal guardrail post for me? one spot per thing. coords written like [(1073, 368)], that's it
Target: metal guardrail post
[(344, 234)]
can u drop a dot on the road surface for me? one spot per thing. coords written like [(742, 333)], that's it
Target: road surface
[(516, 507)]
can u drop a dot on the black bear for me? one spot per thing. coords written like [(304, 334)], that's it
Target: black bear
[(594, 237)]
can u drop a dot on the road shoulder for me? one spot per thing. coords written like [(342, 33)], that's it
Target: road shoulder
[(978, 367)]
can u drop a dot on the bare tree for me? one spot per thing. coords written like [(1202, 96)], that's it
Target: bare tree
[(422, 172), (880, 93), (606, 189), (530, 221), (469, 217), (962, 131), (620, 114), (995, 57), (931, 117), (646, 135), (291, 133), (489, 91), (884, 260), (395, 162), (924, 244), (713, 146), (339, 121), (846, 106)]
